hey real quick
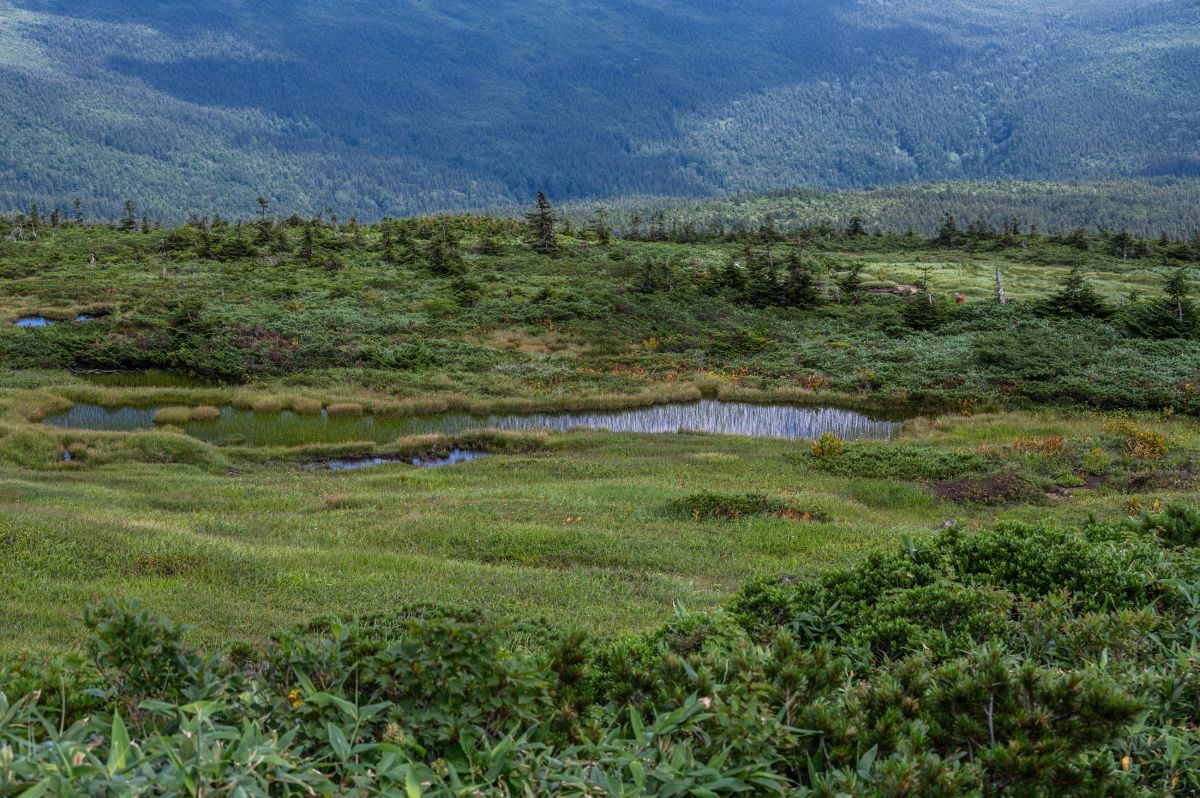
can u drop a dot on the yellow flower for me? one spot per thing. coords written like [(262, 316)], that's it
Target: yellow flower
[(1125, 763)]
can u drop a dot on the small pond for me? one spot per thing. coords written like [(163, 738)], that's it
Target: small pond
[(247, 428), (42, 321), (455, 457)]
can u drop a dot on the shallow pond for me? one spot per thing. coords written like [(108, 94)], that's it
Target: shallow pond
[(42, 321), (247, 428), (455, 457)]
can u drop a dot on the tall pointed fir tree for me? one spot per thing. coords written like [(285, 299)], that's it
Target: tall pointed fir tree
[(541, 226)]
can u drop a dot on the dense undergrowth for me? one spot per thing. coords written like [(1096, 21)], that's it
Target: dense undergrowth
[(1022, 661), (476, 306)]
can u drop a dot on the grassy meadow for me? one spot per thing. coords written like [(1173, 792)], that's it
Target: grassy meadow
[(1022, 414)]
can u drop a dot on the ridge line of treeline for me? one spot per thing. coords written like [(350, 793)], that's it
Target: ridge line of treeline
[(1145, 207)]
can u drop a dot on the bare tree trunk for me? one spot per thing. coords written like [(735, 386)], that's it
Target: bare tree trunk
[(1000, 288)]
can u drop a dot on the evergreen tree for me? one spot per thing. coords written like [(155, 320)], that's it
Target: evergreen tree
[(1177, 290), (307, 243), (1121, 244), (130, 223), (1077, 297), (850, 283), (733, 277), (760, 287), (1078, 238), (442, 256), (35, 218), (948, 234), (1174, 316), (541, 226), (77, 204), (264, 227), (800, 287), (856, 228), (658, 226), (599, 226), (922, 311)]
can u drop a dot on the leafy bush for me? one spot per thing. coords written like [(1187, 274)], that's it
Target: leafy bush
[(828, 445)]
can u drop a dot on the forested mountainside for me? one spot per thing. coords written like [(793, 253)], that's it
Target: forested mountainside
[(377, 107)]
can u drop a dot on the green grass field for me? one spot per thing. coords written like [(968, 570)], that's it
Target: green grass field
[(582, 532), (458, 314)]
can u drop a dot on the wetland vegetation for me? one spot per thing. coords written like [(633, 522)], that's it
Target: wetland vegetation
[(896, 521)]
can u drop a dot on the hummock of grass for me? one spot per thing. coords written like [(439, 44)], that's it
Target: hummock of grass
[(175, 416), (345, 409)]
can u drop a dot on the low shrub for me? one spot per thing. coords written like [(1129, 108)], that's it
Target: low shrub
[(710, 504), (1175, 525), (828, 445)]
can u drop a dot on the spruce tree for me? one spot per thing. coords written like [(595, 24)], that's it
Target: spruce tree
[(1121, 244), (307, 244), (130, 223), (948, 234), (758, 289), (1077, 297), (442, 256), (1173, 316), (541, 226), (800, 287), (850, 283), (599, 226), (1177, 290)]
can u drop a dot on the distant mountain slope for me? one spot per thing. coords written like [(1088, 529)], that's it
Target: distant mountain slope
[(391, 106)]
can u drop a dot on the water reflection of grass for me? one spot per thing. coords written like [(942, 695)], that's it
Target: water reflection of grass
[(267, 423)]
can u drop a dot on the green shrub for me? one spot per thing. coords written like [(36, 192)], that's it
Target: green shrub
[(1176, 525), (710, 504), (827, 446), (898, 461)]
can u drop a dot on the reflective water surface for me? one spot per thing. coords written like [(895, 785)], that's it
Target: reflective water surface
[(247, 428), (42, 321), (455, 457)]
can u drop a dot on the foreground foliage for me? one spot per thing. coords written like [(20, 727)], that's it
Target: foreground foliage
[(1021, 661)]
